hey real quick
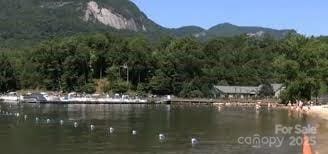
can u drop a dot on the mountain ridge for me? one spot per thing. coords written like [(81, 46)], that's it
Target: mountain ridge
[(26, 22)]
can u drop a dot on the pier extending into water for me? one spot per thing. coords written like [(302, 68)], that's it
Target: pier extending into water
[(175, 101), (73, 98), (87, 102), (189, 101), (219, 101)]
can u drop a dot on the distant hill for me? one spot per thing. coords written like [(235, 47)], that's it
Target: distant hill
[(25, 22), (227, 29), (187, 31)]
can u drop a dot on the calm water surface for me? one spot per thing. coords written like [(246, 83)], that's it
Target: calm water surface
[(216, 129)]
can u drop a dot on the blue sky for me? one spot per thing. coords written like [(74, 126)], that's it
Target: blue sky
[(309, 17)]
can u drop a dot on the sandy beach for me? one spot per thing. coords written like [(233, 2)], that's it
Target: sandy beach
[(320, 111)]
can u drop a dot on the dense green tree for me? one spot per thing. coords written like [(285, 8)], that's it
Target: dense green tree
[(184, 67), (266, 90), (303, 67), (8, 79), (120, 86), (161, 83)]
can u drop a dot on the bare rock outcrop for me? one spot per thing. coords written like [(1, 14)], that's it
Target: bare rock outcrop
[(108, 17)]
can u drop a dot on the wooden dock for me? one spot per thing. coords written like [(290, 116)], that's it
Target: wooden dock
[(181, 101), (173, 101), (85, 102), (190, 101)]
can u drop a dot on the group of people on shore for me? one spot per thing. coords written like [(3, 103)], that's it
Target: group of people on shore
[(300, 106)]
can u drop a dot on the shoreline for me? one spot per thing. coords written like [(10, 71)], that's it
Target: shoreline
[(319, 111), (319, 116)]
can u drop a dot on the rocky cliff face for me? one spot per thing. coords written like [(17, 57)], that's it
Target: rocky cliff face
[(109, 17), (26, 22)]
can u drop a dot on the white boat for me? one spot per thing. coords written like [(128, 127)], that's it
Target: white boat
[(11, 97), (72, 97)]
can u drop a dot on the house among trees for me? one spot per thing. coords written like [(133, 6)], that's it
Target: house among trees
[(277, 89), (244, 92)]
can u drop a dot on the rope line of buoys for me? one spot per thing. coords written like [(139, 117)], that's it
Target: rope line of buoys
[(110, 130)]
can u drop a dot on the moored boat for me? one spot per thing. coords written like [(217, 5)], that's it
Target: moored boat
[(97, 98), (11, 97), (33, 98)]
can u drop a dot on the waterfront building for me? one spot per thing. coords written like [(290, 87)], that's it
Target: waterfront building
[(244, 92)]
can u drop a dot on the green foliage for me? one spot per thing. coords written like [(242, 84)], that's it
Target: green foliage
[(26, 22), (303, 67), (8, 79), (161, 83), (120, 86), (266, 90), (184, 67), (88, 88), (143, 88)]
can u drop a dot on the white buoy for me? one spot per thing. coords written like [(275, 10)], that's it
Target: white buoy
[(25, 117), (194, 141), (17, 114), (61, 122), (111, 130), (134, 132), (48, 121), (92, 127), (75, 124), (37, 119), (161, 136)]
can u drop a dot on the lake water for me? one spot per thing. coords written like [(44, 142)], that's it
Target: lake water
[(217, 130)]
